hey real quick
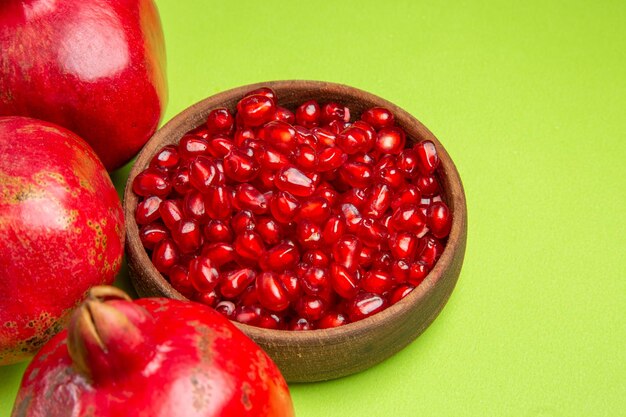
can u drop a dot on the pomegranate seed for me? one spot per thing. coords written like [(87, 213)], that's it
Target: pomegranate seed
[(309, 234), (399, 293), (305, 157), (344, 282), (366, 256), (400, 271), (324, 137), (439, 219), (294, 181), (165, 255), (300, 323), (191, 146), (217, 203), (181, 181), (372, 233), (284, 115), (403, 245), (170, 212), (152, 182), (281, 257), (391, 140), (271, 159), (315, 281), (428, 185), (249, 296), (377, 201), (207, 298), (249, 198), (284, 206), (148, 210), (382, 260), (370, 135), (314, 209), (417, 273), (220, 121), (356, 174), (391, 176), (365, 304), (291, 282), (408, 163), (271, 321), (337, 126), (280, 135), (353, 140), (234, 282), (353, 217), (269, 230), (310, 307), (187, 235), (332, 319), (249, 245), (220, 253), (220, 146), (331, 158), (247, 314), (355, 197), (316, 257), (346, 251), (271, 292), (226, 308), (243, 221), (327, 193), (203, 274), (428, 160), (409, 218), (240, 167), (377, 282), (378, 117), (167, 158), (308, 114), (263, 91), (255, 109), (430, 250), (203, 173), (408, 194), (151, 234), (334, 111), (179, 278), (193, 206), (242, 134), (217, 231)]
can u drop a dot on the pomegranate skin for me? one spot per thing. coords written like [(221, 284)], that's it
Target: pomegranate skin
[(190, 362), (61, 231), (95, 67)]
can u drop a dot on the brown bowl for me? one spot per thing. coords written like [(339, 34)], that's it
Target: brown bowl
[(318, 355)]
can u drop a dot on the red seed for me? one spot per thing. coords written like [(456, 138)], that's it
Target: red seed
[(220, 121), (148, 210), (378, 117), (308, 114), (364, 305), (346, 251), (271, 159), (400, 271), (217, 231), (377, 282), (280, 135), (353, 140), (217, 203), (409, 218), (263, 91), (249, 245), (439, 219), (430, 250), (203, 274), (187, 235), (281, 257), (240, 167), (249, 198), (170, 212), (166, 159), (179, 278), (305, 157), (269, 229), (408, 194), (191, 146), (284, 115), (165, 255), (151, 182), (294, 181), (399, 293), (272, 292), (403, 245), (332, 319), (331, 158), (180, 181), (344, 281), (299, 324), (428, 185), (316, 257), (243, 221), (256, 109), (315, 281), (428, 160), (391, 140), (314, 209), (193, 206), (334, 111), (247, 314), (226, 308), (151, 234), (234, 282), (417, 272), (325, 137), (356, 174), (310, 307), (220, 253), (284, 206)]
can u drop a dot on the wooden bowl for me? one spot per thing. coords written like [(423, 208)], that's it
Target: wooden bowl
[(318, 355)]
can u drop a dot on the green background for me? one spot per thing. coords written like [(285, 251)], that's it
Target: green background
[(530, 101)]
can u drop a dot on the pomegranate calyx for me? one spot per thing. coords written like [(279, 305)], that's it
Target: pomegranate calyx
[(109, 336), (107, 292)]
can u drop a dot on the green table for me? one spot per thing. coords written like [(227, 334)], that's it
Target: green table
[(530, 101)]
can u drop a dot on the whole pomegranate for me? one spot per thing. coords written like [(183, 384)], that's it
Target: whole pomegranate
[(95, 67), (61, 231), (151, 357)]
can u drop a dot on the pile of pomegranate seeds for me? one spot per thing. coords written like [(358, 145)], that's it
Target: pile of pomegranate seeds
[(293, 221)]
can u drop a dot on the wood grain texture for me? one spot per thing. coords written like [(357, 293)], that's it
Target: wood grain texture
[(328, 353)]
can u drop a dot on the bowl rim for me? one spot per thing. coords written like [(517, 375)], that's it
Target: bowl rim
[(454, 193)]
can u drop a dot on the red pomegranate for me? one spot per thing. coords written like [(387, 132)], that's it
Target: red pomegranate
[(151, 357), (61, 231), (95, 67)]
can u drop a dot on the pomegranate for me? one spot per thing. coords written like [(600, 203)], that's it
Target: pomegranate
[(61, 231), (95, 67), (314, 221), (151, 357)]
